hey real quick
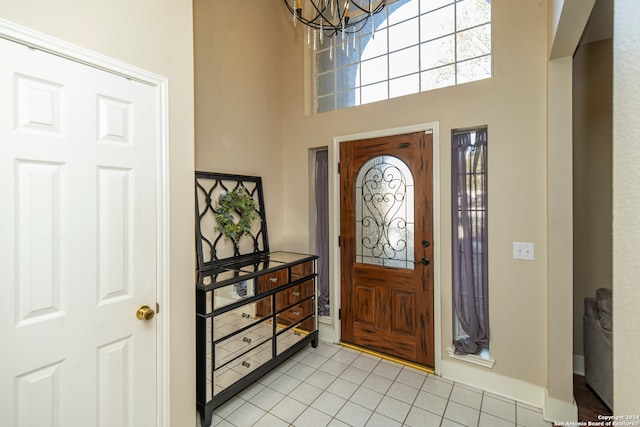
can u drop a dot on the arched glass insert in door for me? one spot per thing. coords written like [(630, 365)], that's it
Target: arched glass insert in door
[(384, 213)]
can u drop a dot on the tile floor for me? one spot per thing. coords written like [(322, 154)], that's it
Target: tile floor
[(336, 386)]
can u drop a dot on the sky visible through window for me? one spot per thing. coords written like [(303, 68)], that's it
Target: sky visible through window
[(417, 45)]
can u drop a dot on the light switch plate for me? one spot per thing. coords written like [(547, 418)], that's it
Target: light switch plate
[(523, 250)]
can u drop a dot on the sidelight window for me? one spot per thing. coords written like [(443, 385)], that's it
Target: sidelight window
[(321, 230), (470, 241)]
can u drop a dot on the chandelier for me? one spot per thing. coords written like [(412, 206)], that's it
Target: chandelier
[(327, 18)]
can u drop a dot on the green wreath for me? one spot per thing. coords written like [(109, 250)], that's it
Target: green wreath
[(242, 204)]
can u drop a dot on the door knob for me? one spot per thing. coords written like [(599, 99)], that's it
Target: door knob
[(145, 313)]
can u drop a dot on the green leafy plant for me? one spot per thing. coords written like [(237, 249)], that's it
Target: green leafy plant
[(237, 210)]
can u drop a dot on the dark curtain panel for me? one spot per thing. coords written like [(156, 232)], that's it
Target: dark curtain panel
[(322, 229), (470, 263)]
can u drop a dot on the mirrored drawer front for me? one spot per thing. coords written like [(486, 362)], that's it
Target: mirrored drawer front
[(290, 337), (296, 313), (229, 374), (230, 294), (299, 271), (233, 346), (209, 359), (268, 281), (231, 321), (294, 294)]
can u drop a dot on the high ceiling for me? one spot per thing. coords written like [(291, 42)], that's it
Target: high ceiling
[(600, 24)]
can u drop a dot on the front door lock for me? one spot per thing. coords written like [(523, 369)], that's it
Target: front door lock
[(425, 260)]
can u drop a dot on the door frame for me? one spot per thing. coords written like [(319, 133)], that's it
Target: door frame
[(428, 127), (46, 43)]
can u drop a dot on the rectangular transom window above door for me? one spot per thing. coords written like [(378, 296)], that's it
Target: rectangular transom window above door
[(412, 46)]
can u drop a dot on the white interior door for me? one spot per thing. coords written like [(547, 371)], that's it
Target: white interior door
[(77, 243)]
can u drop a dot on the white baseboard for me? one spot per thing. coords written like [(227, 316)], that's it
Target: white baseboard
[(559, 410), (578, 364), (326, 332), (511, 388), (501, 385)]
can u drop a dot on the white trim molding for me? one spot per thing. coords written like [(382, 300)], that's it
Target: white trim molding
[(46, 43), (498, 384), (558, 410), (428, 127), (472, 358), (511, 388)]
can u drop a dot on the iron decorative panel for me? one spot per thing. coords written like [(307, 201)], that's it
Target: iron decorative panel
[(384, 213), (212, 247)]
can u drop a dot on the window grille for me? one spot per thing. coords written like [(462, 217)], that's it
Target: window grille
[(417, 45)]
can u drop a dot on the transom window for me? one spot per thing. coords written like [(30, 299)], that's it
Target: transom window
[(417, 45)]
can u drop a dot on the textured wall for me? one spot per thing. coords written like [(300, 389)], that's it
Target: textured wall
[(626, 205), (238, 64)]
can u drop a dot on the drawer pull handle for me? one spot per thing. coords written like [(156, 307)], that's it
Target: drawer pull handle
[(295, 313), (273, 279), (246, 315), (296, 333), (247, 340), (246, 364), (296, 294)]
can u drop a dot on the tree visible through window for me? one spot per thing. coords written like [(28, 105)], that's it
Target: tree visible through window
[(417, 45)]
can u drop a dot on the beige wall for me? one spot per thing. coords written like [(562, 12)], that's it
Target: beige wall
[(156, 36), (592, 180), (238, 52), (513, 105), (566, 22), (233, 119), (560, 241), (626, 205)]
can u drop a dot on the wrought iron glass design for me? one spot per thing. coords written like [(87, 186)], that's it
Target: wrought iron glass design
[(384, 213)]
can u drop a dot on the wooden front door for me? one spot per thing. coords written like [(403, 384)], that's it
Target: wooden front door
[(386, 235)]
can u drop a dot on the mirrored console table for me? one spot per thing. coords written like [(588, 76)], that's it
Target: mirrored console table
[(251, 316), (254, 308)]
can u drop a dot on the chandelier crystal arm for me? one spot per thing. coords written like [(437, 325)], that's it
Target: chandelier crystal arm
[(332, 17)]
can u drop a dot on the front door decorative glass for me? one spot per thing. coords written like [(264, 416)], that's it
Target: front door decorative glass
[(384, 213)]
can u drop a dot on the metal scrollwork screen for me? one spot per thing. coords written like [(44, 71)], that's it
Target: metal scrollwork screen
[(384, 213), (211, 246)]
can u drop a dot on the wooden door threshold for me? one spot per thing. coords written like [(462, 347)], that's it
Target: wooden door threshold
[(389, 358)]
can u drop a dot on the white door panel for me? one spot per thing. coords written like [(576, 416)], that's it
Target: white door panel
[(78, 243)]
